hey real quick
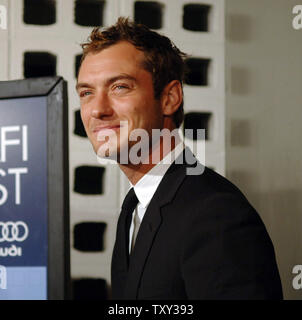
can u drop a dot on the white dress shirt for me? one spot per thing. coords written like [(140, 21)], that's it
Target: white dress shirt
[(147, 185)]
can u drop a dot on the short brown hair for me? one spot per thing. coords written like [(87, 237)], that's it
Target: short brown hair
[(162, 58)]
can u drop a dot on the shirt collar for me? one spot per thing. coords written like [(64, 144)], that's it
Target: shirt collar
[(147, 185)]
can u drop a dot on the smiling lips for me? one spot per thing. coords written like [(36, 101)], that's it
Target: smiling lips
[(105, 128)]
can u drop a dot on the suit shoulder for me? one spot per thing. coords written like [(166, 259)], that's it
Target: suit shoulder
[(210, 183), (210, 196)]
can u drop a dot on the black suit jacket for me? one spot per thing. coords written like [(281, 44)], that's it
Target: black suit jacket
[(199, 239)]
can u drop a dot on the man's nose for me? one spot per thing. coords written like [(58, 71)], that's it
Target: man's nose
[(102, 107)]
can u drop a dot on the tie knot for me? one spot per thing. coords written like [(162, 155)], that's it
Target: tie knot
[(130, 201)]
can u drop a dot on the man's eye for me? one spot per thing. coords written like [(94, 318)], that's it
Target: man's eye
[(121, 86), (85, 93)]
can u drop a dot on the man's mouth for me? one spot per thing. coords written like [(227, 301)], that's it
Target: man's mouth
[(102, 132), (103, 129)]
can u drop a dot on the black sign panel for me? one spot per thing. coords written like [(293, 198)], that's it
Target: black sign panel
[(34, 214)]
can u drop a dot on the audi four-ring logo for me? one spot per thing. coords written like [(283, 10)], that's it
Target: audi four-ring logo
[(13, 231)]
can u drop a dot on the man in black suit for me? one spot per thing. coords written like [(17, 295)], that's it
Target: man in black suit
[(180, 235)]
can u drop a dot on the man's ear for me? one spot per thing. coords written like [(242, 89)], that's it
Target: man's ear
[(171, 97)]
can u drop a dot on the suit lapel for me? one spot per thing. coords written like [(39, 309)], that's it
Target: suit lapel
[(150, 225)]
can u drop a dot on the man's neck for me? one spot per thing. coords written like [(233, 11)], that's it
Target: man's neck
[(134, 172)]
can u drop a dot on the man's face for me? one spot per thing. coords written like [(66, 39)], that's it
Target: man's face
[(113, 86)]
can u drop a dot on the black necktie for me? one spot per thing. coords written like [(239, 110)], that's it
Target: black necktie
[(129, 204), (120, 255)]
